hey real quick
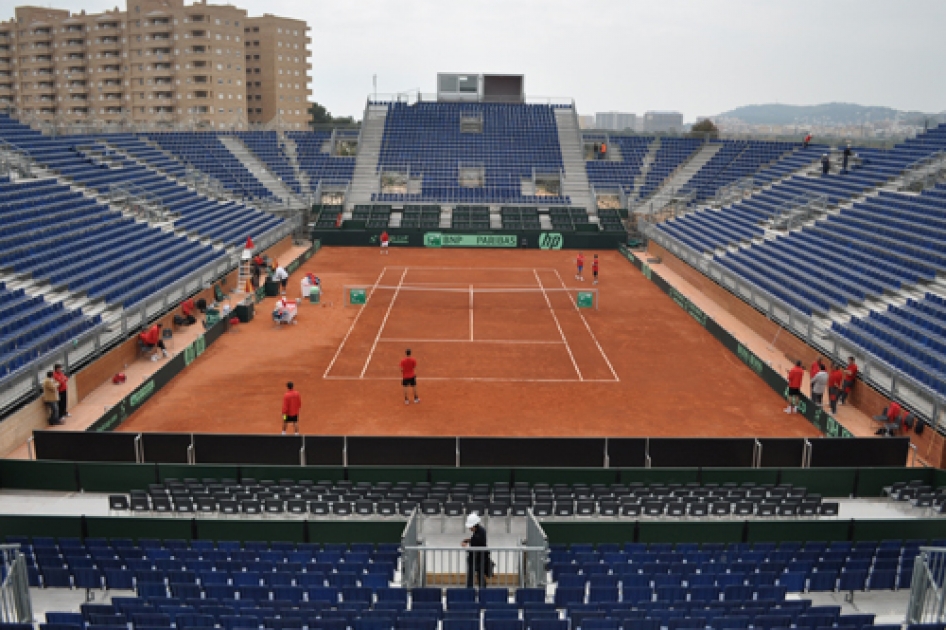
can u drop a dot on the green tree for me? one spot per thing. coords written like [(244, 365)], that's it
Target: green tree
[(319, 115), (704, 127)]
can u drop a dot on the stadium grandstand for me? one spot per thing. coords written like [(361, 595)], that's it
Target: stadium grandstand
[(639, 500)]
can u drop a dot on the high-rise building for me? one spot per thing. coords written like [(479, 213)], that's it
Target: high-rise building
[(159, 63), (277, 71), (615, 121), (662, 121)]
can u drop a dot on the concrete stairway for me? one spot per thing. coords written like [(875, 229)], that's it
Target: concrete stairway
[(292, 153), (575, 184), (258, 169), (365, 181), (681, 176), (647, 162)]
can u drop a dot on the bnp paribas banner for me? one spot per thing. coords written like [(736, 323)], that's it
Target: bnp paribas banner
[(438, 239), (547, 240)]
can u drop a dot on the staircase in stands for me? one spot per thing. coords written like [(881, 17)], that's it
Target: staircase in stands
[(292, 153), (575, 183), (257, 168), (646, 163), (365, 181), (681, 176)]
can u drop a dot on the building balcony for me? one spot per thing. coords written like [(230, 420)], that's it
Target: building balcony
[(198, 50), (79, 97), (109, 70), (73, 44), (159, 52), (109, 26), (75, 71)]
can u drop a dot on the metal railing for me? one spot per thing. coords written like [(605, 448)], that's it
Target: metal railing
[(507, 567), (798, 210), (15, 604), (521, 566), (733, 192), (891, 382), (925, 173), (928, 588)]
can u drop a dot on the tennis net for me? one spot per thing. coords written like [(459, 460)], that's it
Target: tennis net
[(470, 297)]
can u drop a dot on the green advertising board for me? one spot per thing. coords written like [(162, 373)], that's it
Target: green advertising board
[(586, 299), (358, 297), (439, 239), (551, 240)]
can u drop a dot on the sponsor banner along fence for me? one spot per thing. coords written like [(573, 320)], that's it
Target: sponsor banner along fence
[(407, 237), (823, 421)]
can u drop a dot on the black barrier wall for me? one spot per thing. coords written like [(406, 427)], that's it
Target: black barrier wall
[(815, 415), (493, 239), (470, 452)]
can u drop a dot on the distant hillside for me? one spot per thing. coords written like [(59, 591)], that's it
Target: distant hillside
[(826, 114)]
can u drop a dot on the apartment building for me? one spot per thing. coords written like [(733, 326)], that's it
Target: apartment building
[(277, 71), (157, 64)]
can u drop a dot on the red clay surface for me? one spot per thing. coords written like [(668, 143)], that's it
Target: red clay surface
[(535, 364)]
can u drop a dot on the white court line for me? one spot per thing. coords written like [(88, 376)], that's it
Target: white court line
[(588, 328), (503, 341), (352, 327), (383, 322), (557, 325), (474, 379), (471, 312), (415, 268)]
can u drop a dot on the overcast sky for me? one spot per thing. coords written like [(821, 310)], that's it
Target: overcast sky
[(701, 57)]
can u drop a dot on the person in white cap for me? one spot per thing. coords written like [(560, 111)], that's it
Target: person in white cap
[(478, 562)]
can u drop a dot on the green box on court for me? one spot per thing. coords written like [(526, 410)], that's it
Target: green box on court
[(357, 297), (586, 299)]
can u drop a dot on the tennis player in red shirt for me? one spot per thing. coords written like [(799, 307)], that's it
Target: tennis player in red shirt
[(580, 262), (795, 377), (409, 376), (291, 404), (594, 269), (384, 242)]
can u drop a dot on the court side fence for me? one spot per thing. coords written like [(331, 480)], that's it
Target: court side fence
[(888, 380), (928, 589), (15, 603)]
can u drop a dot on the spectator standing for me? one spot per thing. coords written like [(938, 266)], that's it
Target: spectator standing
[(603, 155), (291, 404), (835, 384), (825, 164), (813, 371), (807, 141), (795, 376), (850, 377), (819, 382), (51, 398), (846, 156), (63, 381), (477, 563)]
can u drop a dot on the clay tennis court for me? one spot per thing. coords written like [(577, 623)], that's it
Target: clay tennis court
[(501, 346)]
